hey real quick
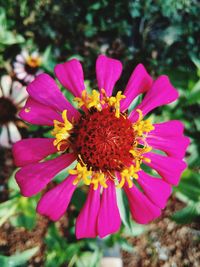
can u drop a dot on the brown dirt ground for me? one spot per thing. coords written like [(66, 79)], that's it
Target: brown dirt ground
[(166, 244)]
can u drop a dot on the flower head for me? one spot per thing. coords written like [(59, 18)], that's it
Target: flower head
[(108, 144), (26, 66), (12, 98)]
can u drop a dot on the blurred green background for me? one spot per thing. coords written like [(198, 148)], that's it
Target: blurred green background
[(164, 36)]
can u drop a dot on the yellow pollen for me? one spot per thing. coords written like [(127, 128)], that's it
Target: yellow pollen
[(138, 156), (82, 174), (88, 100), (62, 131), (142, 126), (113, 101), (27, 110), (98, 178), (128, 174), (93, 100), (33, 61)]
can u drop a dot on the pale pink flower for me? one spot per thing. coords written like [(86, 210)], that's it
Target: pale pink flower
[(12, 98), (27, 66)]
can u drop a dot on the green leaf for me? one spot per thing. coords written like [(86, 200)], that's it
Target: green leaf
[(89, 259), (190, 186), (7, 209), (194, 96), (123, 208), (186, 215), (18, 259)]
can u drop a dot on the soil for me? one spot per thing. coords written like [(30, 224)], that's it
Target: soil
[(164, 244)]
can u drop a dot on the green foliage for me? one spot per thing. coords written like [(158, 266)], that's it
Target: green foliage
[(19, 259), (20, 211), (7, 37), (188, 191), (62, 250)]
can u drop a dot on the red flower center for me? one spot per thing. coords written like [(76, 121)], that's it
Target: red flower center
[(103, 141)]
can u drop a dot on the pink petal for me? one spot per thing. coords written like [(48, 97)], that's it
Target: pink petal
[(139, 82), (142, 209), (168, 128), (172, 146), (161, 93), (35, 113), (34, 177), (45, 90), (70, 75), (168, 168), (109, 218), (157, 190), (86, 223), (108, 71), (54, 203), (32, 150)]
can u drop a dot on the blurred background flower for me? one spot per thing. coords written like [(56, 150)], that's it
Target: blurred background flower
[(12, 97), (26, 66)]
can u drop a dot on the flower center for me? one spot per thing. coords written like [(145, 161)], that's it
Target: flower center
[(32, 65), (7, 110), (103, 141)]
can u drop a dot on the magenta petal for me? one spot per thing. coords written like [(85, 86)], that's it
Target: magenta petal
[(54, 203), (45, 90), (168, 128), (32, 150), (139, 82), (70, 75), (108, 71), (109, 218), (161, 93), (172, 146), (34, 177), (39, 114), (157, 190), (142, 209), (86, 223), (170, 169)]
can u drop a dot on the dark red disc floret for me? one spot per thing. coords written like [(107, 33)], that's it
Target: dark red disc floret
[(103, 141)]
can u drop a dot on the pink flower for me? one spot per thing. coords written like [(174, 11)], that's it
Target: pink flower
[(106, 143), (12, 98), (26, 67)]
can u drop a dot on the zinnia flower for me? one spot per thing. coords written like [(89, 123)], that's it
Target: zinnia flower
[(12, 97), (108, 144), (26, 66)]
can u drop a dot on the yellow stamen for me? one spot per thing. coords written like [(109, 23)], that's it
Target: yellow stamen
[(93, 100), (142, 126), (113, 101), (98, 178), (62, 131), (33, 62), (82, 174), (127, 175), (89, 101), (138, 154)]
